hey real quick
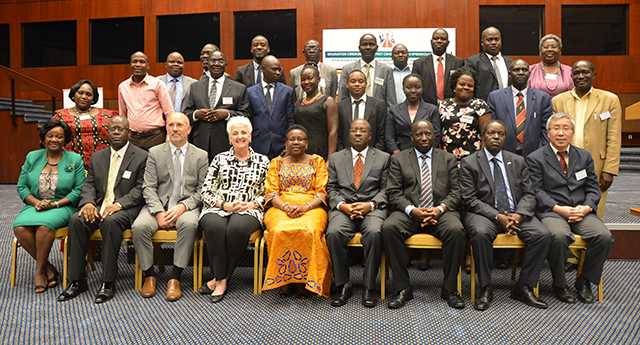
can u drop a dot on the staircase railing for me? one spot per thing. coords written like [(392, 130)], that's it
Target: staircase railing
[(14, 76)]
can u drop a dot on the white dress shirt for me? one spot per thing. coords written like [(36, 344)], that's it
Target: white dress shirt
[(502, 66), (360, 107)]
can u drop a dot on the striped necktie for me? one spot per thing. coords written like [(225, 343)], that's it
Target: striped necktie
[(521, 118), (426, 194)]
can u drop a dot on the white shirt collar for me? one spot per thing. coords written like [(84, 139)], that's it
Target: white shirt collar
[(435, 58), (363, 98), (515, 91), (406, 68), (499, 56), (555, 150), (428, 153), (354, 153), (491, 156), (264, 84), (372, 63), (183, 148), (122, 150), (170, 77), (255, 64)]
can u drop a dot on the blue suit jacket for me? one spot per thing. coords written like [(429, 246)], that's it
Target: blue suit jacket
[(538, 106), (269, 128)]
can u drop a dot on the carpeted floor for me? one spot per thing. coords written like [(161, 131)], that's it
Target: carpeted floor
[(242, 318)]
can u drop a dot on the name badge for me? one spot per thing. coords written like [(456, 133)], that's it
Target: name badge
[(126, 174), (466, 119), (227, 100), (605, 115), (379, 81), (84, 117), (550, 76), (581, 174)]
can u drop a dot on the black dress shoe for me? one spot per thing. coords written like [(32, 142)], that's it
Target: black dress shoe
[(484, 299), (343, 296), (524, 295), (205, 290), (217, 298), (585, 295), (401, 299), (453, 300), (564, 295), (369, 298), (106, 292), (73, 290)]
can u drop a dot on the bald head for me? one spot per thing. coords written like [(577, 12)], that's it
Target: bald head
[(360, 134), (439, 41), (205, 52), (271, 69), (118, 131), (312, 51), (139, 66), (491, 41), (400, 55), (175, 64)]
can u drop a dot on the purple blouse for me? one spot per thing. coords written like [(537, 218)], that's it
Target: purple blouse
[(562, 83)]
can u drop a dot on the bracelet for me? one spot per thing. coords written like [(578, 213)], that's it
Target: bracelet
[(57, 204), (308, 206)]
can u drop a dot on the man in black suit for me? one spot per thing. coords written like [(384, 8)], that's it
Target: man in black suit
[(523, 110), (423, 193), (251, 73), (110, 201), (360, 106), (489, 66), (436, 68), (567, 191), (497, 193), (210, 102), (357, 202)]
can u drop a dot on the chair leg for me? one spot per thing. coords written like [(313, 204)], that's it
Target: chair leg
[(256, 279), (460, 281), (601, 290), (261, 264), (201, 262), (137, 275), (14, 263), (536, 290), (383, 277), (473, 276), (196, 245), (65, 264)]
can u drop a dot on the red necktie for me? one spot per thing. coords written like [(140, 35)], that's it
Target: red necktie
[(563, 162), (357, 171), (521, 118), (440, 79)]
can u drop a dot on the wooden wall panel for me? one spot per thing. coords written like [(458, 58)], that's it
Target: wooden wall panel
[(14, 151)]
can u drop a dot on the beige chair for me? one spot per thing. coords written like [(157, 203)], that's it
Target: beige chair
[(254, 239), (60, 234), (168, 236)]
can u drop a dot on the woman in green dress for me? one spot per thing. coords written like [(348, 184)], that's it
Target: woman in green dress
[(49, 184)]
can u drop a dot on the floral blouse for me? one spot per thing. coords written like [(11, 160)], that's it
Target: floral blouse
[(229, 179), (460, 126)]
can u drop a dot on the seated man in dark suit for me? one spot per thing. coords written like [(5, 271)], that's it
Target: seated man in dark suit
[(357, 201), (497, 193), (567, 190), (357, 105), (524, 111), (271, 109), (210, 102), (251, 73), (110, 201), (423, 193)]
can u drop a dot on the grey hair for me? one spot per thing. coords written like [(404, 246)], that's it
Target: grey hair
[(550, 37), (238, 121), (558, 116)]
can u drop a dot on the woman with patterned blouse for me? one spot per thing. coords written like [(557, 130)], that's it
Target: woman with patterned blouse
[(232, 194), (88, 124), (295, 223), (462, 116)]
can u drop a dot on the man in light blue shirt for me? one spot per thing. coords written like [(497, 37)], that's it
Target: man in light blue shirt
[(400, 57)]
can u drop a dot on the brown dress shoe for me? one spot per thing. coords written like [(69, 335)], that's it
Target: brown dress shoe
[(148, 287), (174, 291)]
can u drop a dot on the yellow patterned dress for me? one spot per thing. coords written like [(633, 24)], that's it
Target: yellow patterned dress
[(297, 248)]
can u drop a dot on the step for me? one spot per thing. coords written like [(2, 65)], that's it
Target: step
[(630, 159), (630, 151), (630, 167), (18, 101), (26, 106)]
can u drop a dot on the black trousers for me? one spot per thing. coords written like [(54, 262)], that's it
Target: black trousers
[(398, 227), (227, 239), (111, 229), (483, 231), (341, 230)]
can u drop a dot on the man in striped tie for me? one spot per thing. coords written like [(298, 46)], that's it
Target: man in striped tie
[(423, 193)]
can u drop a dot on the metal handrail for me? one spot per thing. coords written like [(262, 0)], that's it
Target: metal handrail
[(15, 75)]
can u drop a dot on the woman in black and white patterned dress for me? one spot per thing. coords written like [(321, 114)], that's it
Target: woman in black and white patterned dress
[(232, 196)]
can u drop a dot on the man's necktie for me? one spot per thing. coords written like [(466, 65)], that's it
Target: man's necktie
[(494, 63), (367, 72), (176, 194), (500, 187), (357, 171), (563, 162), (356, 109), (426, 194), (213, 93), (521, 118), (440, 79), (259, 75), (268, 97), (172, 91), (109, 196)]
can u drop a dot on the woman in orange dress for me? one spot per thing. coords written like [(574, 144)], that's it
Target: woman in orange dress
[(295, 188)]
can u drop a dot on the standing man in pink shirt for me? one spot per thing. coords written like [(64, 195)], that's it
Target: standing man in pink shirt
[(144, 100)]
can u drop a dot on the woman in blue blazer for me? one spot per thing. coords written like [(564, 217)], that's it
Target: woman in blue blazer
[(49, 184)]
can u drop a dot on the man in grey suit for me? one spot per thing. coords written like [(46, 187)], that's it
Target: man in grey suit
[(328, 84), (110, 200), (523, 110), (251, 73), (357, 202), (378, 74), (423, 193), (497, 193), (567, 190), (489, 66), (173, 175), (435, 69), (210, 102), (177, 83)]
